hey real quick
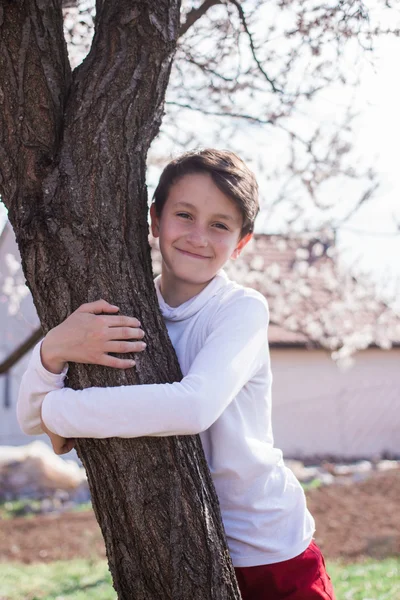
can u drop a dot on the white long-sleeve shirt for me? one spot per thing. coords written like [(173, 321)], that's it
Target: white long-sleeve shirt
[(220, 337)]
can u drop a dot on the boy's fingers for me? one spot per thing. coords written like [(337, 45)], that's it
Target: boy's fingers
[(126, 333), (123, 347), (101, 306), (97, 307), (69, 445), (121, 321), (117, 363)]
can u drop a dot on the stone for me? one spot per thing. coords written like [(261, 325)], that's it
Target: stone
[(34, 470), (302, 473), (387, 465)]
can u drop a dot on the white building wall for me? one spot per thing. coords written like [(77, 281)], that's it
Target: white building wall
[(320, 409), (18, 320)]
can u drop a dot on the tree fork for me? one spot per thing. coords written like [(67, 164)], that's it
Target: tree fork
[(72, 175)]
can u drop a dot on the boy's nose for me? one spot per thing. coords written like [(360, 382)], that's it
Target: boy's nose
[(197, 239)]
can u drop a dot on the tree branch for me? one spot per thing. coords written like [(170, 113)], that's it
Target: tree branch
[(22, 349), (195, 14), (35, 72), (242, 17), (114, 80), (216, 113)]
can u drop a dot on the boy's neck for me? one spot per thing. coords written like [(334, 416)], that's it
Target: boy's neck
[(176, 292)]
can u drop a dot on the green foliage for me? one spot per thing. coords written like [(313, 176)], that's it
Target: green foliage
[(312, 485), (91, 580), (83, 507), (29, 508), (19, 508)]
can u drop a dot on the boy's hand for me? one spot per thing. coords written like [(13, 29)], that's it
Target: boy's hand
[(60, 445), (87, 336)]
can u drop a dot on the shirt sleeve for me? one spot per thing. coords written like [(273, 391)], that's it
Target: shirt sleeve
[(232, 353), (35, 384)]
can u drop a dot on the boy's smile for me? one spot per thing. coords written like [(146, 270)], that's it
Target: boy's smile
[(187, 253), (199, 230)]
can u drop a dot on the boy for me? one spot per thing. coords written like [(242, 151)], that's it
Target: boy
[(203, 214)]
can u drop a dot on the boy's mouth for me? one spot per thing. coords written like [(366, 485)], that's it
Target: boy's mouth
[(187, 253)]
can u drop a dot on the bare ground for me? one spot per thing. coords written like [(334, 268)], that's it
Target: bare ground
[(353, 521)]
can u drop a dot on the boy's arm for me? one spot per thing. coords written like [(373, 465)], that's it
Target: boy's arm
[(60, 445), (86, 336), (231, 355), (35, 384)]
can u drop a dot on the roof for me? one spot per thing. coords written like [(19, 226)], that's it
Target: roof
[(313, 302)]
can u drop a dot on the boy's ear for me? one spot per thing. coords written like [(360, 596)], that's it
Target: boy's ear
[(154, 221), (241, 244)]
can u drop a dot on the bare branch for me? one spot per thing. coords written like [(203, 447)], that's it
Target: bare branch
[(222, 113), (253, 50), (367, 195), (195, 14), (22, 349)]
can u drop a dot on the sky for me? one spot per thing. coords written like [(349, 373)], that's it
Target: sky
[(372, 237)]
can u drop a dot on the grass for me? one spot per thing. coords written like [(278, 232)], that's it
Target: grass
[(370, 580), (30, 508), (90, 580), (63, 580)]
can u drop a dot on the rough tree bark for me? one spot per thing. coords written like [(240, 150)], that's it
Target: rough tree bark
[(72, 174)]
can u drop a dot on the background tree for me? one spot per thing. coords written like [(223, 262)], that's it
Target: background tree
[(259, 70), (73, 149), (267, 79)]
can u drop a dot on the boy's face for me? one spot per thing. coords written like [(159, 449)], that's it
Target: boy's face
[(199, 230)]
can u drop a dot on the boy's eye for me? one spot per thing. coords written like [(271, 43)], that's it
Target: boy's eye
[(221, 226), (184, 215)]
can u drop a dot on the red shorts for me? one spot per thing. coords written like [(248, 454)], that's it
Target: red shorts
[(301, 578)]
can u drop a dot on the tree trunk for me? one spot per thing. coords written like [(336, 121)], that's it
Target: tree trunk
[(72, 174)]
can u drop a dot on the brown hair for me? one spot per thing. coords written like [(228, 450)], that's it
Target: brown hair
[(229, 173)]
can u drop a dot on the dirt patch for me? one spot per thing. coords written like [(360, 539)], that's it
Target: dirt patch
[(361, 519), (51, 537)]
